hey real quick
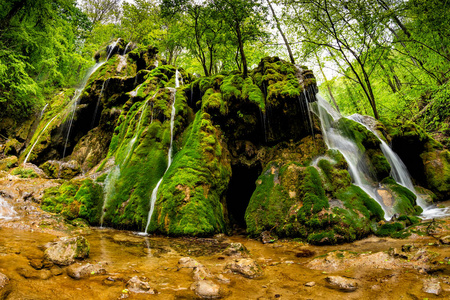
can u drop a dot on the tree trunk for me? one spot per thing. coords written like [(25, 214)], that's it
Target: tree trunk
[(241, 49), (282, 34), (390, 83)]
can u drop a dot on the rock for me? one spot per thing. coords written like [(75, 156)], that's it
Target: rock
[(341, 283), (310, 284), (135, 285), (56, 271), (223, 279), (266, 237), (431, 286), (59, 169), (206, 289), (236, 249), (304, 253), (246, 267), (445, 240), (8, 162), (201, 273), (187, 262), (5, 287), (78, 271), (30, 273), (39, 264), (67, 249)]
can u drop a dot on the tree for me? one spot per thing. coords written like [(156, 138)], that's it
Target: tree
[(100, 11)]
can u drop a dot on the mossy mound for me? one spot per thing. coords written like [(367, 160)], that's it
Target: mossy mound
[(191, 198), (318, 204), (75, 199), (397, 198)]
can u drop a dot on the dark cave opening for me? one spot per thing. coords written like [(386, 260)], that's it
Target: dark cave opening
[(240, 190)]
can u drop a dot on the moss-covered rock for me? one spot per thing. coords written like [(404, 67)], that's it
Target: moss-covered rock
[(75, 199), (318, 204), (8, 163)]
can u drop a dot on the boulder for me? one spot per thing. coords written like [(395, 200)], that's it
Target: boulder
[(236, 249), (206, 289), (79, 271), (8, 162), (136, 285), (246, 267), (67, 249), (342, 283), (432, 286)]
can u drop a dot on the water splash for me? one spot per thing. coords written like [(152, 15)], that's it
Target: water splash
[(109, 189), (400, 173), (7, 212), (169, 155)]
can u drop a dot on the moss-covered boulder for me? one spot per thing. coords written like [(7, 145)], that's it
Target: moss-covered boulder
[(398, 199), (318, 204), (191, 200), (8, 162), (75, 199)]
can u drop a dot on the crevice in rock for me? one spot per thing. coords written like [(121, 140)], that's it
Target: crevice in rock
[(240, 190)]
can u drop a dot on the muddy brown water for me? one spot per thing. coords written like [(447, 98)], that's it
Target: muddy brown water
[(155, 259)]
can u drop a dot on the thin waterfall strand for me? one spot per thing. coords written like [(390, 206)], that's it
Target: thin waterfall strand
[(169, 155)]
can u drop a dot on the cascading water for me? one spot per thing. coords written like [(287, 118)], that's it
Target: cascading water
[(104, 85), (401, 175), (126, 48), (7, 212), (169, 155), (37, 139), (335, 140)]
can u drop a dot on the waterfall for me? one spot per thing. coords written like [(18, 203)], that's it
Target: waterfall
[(37, 139), (126, 48), (335, 140), (401, 175), (104, 85), (110, 189), (7, 212), (169, 155)]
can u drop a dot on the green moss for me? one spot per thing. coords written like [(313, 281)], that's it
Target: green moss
[(75, 199), (24, 172), (390, 229)]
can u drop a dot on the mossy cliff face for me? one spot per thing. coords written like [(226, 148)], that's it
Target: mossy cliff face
[(243, 153), (427, 160)]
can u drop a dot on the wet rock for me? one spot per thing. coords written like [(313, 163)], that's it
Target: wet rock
[(310, 284), (236, 249), (187, 262), (201, 273), (431, 286), (56, 271), (39, 264), (67, 249), (223, 279), (342, 283), (445, 240), (136, 285), (59, 169), (266, 237), (304, 253), (246, 267), (220, 237), (5, 287), (206, 289), (78, 271), (30, 273)]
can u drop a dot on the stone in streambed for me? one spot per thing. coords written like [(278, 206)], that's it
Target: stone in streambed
[(206, 289), (432, 286), (342, 283), (78, 271), (67, 249), (246, 267), (136, 285), (236, 249)]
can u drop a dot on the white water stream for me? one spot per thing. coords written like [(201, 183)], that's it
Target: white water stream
[(335, 140), (7, 212), (169, 155), (401, 175)]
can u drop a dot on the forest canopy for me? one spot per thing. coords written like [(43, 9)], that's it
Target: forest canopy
[(385, 58)]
